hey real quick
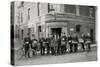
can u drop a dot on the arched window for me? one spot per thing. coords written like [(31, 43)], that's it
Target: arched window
[(28, 13)]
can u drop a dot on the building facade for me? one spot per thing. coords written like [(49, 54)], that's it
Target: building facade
[(45, 19)]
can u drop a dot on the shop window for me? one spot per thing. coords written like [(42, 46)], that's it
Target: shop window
[(78, 28)]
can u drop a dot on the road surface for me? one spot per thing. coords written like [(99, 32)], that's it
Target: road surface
[(67, 58)]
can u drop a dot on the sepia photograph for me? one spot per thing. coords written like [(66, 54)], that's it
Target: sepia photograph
[(51, 33)]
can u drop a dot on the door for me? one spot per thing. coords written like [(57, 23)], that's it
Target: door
[(91, 34), (56, 32)]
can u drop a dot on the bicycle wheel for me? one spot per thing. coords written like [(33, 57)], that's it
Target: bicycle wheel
[(20, 53)]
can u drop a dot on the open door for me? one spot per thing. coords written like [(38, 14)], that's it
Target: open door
[(56, 32)]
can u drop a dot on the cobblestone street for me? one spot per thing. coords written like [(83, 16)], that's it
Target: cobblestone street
[(67, 58)]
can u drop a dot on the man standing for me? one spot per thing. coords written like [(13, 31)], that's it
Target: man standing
[(59, 46), (82, 41), (52, 45), (63, 43), (70, 42), (48, 45), (75, 43), (33, 43), (88, 41), (41, 45), (27, 42)]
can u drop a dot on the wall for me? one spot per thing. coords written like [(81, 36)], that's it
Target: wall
[(59, 8), (85, 28)]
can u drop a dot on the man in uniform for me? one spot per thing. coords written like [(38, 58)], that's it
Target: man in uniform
[(33, 43), (27, 42), (70, 42), (59, 46), (75, 43), (88, 40), (82, 41), (48, 44), (63, 43)]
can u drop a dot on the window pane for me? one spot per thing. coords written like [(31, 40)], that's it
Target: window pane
[(84, 10), (70, 8)]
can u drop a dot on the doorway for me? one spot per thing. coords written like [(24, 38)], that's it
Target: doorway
[(56, 32), (91, 34)]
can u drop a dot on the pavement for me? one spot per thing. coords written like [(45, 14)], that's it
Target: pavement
[(66, 58)]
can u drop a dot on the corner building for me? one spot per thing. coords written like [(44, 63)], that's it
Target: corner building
[(44, 19)]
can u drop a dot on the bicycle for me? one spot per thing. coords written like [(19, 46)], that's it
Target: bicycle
[(21, 52)]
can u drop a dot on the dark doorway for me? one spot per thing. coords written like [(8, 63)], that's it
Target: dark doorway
[(78, 27), (56, 32), (91, 34)]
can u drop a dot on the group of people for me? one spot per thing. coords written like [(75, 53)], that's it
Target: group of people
[(56, 46)]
